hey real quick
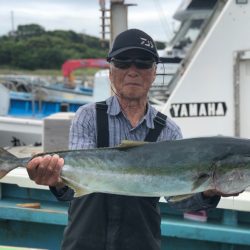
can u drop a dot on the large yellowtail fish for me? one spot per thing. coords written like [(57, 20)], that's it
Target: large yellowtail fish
[(168, 168)]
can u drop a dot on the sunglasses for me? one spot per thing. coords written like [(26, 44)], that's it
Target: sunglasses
[(126, 63)]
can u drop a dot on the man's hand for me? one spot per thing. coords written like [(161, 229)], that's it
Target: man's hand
[(213, 192), (46, 170)]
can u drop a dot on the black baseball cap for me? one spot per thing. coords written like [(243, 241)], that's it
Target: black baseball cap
[(133, 39)]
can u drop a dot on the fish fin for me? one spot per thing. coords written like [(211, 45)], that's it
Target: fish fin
[(179, 197), (78, 190), (8, 162), (202, 178), (129, 144)]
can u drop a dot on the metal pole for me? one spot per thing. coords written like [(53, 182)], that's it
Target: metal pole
[(118, 19)]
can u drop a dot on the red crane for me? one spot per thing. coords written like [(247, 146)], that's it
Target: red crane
[(70, 65)]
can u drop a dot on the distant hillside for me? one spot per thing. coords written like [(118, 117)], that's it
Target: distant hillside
[(32, 47)]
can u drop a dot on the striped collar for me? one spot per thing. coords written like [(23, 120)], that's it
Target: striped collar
[(114, 109)]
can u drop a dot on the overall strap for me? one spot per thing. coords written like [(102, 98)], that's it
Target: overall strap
[(103, 127), (159, 124), (102, 124)]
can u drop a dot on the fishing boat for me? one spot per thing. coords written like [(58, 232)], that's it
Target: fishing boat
[(192, 17), (26, 101)]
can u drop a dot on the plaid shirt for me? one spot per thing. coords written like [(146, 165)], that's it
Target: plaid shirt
[(83, 129)]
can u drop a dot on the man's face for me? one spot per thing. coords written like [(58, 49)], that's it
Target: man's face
[(132, 82)]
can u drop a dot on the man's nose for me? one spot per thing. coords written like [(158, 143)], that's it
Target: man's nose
[(133, 70)]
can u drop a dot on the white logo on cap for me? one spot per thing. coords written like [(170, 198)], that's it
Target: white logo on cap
[(147, 42)]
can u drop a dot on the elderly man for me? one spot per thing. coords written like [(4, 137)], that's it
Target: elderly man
[(104, 221)]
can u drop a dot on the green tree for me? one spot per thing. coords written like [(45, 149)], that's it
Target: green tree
[(35, 48), (29, 30), (6, 52)]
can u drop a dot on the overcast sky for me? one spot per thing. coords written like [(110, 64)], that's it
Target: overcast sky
[(152, 16)]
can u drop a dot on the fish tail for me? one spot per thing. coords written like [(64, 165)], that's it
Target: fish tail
[(8, 162)]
